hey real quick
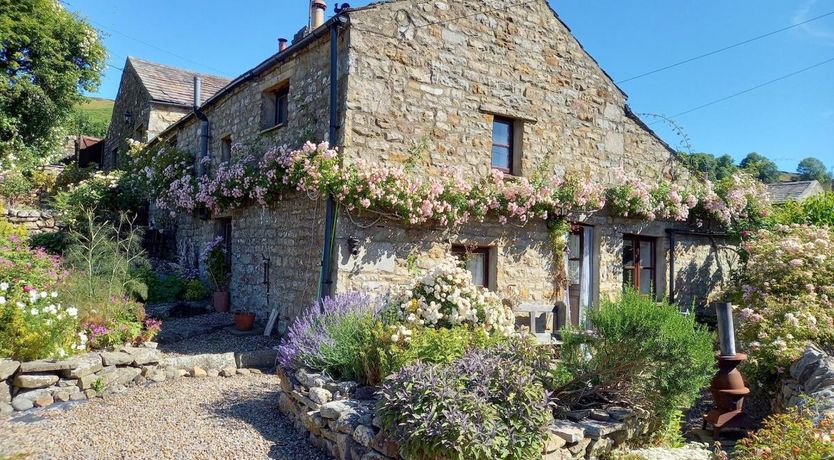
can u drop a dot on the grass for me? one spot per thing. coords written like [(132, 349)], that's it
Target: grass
[(92, 117)]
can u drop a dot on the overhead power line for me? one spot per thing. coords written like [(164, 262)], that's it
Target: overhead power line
[(752, 88), (721, 50)]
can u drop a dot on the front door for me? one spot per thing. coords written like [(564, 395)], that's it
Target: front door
[(580, 272)]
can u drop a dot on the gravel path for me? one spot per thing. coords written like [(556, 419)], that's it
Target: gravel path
[(212, 418)]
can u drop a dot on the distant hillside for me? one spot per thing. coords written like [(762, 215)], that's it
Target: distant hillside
[(92, 118)]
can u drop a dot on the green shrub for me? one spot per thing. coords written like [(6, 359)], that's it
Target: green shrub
[(161, 288), (217, 264), (72, 175), (20, 264), (34, 325), (816, 210), (52, 242), (487, 404), (14, 186), (641, 351), (786, 294), (195, 290), (789, 436)]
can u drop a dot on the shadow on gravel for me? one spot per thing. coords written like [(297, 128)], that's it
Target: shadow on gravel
[(261, 412)]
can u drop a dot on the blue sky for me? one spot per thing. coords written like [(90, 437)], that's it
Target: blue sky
[(786, 121)]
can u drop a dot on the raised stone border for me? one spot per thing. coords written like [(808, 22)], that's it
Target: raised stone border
[(811, 384), (338, 416), (42, 383), (33, 220)]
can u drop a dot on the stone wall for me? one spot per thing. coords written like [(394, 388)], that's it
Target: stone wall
[(45, 382), (339, 418), (438, 72), (33, 220), (810, 384)]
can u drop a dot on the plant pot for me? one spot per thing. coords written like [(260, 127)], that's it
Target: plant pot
[(244, 320), (221, 302)]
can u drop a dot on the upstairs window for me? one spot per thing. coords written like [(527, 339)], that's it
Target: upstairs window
[(506, 145), (282, 98), (226, 148)]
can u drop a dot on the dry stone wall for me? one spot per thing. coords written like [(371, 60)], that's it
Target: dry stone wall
[(811, 384), (33, 220), (339, 419)]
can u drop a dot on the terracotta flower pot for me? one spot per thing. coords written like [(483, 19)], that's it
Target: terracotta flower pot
[(244, 320), (221, 302)]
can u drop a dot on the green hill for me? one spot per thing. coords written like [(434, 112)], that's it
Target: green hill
[(92, 117)]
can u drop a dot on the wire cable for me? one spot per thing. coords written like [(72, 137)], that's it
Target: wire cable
[(752, 88), (721, 50)]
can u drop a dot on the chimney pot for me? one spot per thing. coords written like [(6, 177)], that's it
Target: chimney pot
[(282, 44), (317, 14)]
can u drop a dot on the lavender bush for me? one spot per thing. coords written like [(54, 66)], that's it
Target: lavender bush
[(487, 404), (337, 341)]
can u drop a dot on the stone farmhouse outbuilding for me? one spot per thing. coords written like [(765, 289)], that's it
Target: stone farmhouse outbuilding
[(469, 85), (151, 98)]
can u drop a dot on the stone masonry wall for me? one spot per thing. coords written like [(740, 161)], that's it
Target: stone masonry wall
[(34, 221), (290, 233), (438, 72), (810, 384), (132, 97), (339, 418)]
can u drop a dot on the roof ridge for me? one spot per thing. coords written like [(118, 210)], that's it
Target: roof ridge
[(181, 69)]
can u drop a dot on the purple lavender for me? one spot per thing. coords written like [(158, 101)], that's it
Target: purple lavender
[(312, 332)]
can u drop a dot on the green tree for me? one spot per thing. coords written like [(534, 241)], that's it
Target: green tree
[(760, 167), (813, 169), (48, 56), (714, 168)]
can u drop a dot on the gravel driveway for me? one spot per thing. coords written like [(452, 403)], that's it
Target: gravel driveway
[(209, 418)]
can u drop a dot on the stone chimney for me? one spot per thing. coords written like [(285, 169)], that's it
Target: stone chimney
[(282, 44), (317, 8)]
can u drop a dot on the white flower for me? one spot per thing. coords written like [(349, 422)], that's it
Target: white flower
[(4, 286), (34, 312), (2, 300), (72, 311), (54, 294), (43, 294)]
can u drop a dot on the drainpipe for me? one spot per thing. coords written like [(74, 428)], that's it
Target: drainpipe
[(332, 208), (203, 134)]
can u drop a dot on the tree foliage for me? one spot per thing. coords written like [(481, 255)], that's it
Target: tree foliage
[(813, 169), (760, 167), (48, 55), (714, 168)]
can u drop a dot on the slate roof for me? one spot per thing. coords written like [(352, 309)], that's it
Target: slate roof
[(782, 192), (172, 85)]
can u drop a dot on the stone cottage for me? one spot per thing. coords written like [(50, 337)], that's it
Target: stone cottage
[(469, 85), (151, 97)]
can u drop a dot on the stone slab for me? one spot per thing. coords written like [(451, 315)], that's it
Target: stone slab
[(7, 368)]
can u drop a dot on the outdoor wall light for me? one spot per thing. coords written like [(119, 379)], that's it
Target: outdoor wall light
[(353, 245)]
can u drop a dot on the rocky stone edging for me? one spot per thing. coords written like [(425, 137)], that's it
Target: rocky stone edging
[(811, 384), (339, 419), (45, 382), (33, 220)]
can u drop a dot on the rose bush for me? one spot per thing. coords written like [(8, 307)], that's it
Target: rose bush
[(447, 198), (785, 295)]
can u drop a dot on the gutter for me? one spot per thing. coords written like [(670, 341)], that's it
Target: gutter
[(672, 232)]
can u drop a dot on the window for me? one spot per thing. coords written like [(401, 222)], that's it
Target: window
[(226, 148), (282, 99), (275, 108), (639, 269), (502, 144), (477, 261)]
